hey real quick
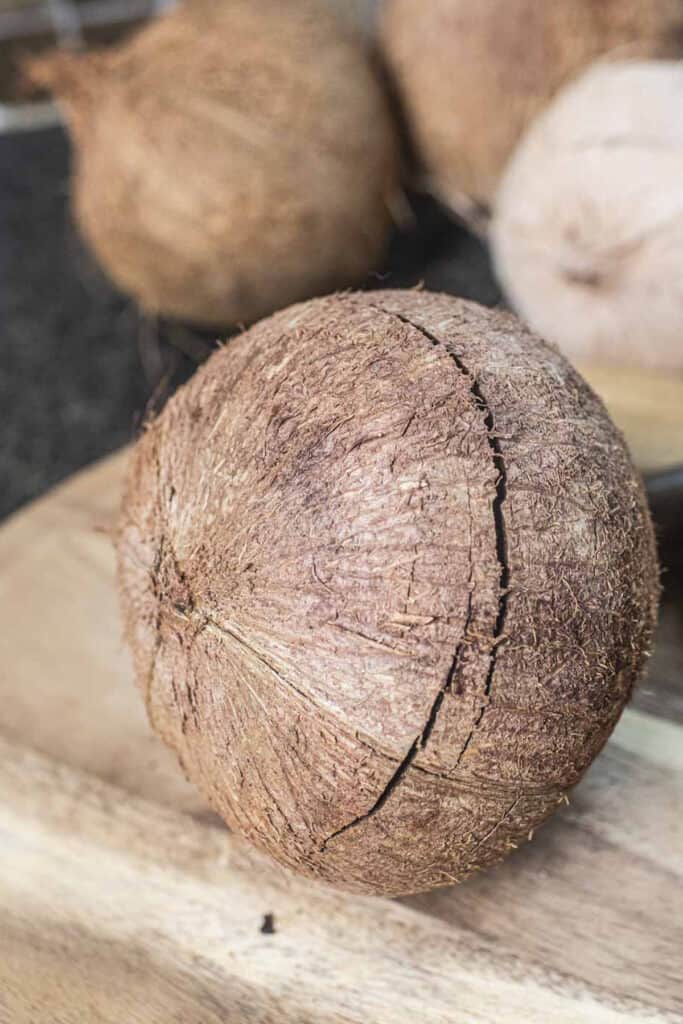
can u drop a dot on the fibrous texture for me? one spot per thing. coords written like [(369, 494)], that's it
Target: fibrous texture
[(388, 578), (362, 13), (588, 232), (472, 75), (232, 158)]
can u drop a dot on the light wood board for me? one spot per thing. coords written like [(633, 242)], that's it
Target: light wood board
[(123, 899), (647, 406)]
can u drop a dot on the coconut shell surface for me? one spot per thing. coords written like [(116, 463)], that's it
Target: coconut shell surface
[(588, 230), (388, 578), (232, 158), (472, 75)]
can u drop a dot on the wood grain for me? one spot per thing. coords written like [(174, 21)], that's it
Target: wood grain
[(590, 896), (115, 909)]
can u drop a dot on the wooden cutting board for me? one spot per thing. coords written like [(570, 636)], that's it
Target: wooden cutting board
[(647, 406), (122, 899)]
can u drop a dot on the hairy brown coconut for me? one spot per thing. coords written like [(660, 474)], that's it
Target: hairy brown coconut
[(588, 229), (473, 73), (232, 158), (389, 578)]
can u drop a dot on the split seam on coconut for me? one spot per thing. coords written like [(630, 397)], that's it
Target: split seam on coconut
[(421, 740), (154, 572), (201, 620), (154, 577)]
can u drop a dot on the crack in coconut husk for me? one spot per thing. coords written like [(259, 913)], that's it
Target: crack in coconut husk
[(421, 740), (200, 619)]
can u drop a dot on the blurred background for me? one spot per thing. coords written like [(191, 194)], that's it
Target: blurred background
[(81, 365)]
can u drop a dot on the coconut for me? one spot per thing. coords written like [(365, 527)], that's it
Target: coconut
[(232, 158), (388, 578), (588, 231), (472, 75), (362, 13)]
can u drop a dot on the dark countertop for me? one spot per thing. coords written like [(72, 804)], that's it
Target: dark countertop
[(70, 382)]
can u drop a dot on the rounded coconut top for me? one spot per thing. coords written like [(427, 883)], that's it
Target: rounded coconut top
[(588, 231), (231, 158), (388, 578), (472, 75)]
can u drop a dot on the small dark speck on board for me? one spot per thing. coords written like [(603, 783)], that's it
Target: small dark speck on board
[(268, 925)]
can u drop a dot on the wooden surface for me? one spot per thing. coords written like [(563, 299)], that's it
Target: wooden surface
[(65, 680), (123, 899), (647, 405)]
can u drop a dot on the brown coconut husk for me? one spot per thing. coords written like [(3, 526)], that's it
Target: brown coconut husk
[(389, 578), (230, 159), (472, 75)]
